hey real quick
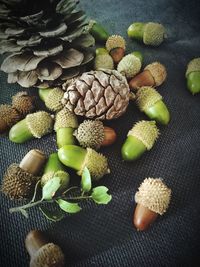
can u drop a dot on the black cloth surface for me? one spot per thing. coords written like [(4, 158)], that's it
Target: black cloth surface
[(104, 235)]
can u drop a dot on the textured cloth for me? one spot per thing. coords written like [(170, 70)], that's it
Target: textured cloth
[(104, 236)]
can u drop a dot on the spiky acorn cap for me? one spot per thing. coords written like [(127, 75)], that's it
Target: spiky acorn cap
[(23, 102), (158, 71), (65, 119), (17, 183), (146, 132), (147, 97), (103, 62), (90, 134), (96, 163), (48, 255), (129, 66), (194, 65), (154, 195), (154, 34), (39, 123), (64, 176), (9, 115), (53, 99), (115, 41)]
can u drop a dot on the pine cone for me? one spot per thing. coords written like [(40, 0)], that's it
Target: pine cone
[(48, 41), (98, 94)]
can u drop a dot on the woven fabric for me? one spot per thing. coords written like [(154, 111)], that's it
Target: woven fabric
[(104, 235)]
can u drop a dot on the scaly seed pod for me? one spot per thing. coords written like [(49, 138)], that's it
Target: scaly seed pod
[(154, 74), (129, 66), (193, 76), (24, 103), (150, 102), (93, 134), (116, 46), (19, 180), (33, 126), (78, 158), (9, 116), (103, 62), (139, 139), (65, 124), (43, 253), (52, 98), (149, 33), (153, 198), (98, 31)]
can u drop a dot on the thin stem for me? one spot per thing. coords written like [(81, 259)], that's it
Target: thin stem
[(69, 189), (35, 191), (79, 198)]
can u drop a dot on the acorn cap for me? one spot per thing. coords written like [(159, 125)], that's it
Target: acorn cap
[(65, 119), (23, 102), (147, 97), (17, 183), (158, 71), (96, 163), (104, 62), (129, 66), (90, 134), (64, 176), (194, 65), (9, 115), (48, 255), (115, 41), (154, 34), (39, 123), (53, 99), (146, 132), (154, 195)]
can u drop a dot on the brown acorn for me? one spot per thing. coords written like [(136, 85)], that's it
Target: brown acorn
[(9, 116), (23, 102), (116, 45)]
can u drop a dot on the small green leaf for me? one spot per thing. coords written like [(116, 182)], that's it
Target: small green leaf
[(100, 196), (24, 213), (50, 188), (86, 182), (54, 216), (68, 207)]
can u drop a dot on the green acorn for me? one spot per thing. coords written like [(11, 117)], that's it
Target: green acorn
[(116, 46), (150, 33), (33, 126), (65, 123), (52, 98), (78, 158), (193, 76), (93, 134), (129, 66), (103, 62), (139, 139), (9, 116), (139, 55), (150, 102), (98, 31), (101, 51)]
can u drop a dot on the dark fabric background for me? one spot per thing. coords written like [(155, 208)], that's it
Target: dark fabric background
[(104, 235)]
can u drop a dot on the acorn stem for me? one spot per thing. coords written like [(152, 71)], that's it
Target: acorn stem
[(64, 136), (193, 82), (158, 112), (20, 133), (53, 164), (136, 30), (34, 241), (132, 149)]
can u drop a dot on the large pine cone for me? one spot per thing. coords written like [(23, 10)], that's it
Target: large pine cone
[(97, 94), (48, 41)]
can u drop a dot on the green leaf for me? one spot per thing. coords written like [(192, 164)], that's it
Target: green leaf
[(68, 207), (86, 182), (100, 196), (50, 188), (54, 216)]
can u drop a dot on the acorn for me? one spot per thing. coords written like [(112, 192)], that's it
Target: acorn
[(23, 102), (129, 66), (104, 61), (78, 158), (52, 98), (54, 168), (116, 46), (19, 180), (153, 74), (149, 33), (43, 253), (101, 51), (94, 134), (139, 55), (98, 31), (65, 124), (140, 138), (150, 102), (9, 116), (193, 76), (153, 198), (35, 125)]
